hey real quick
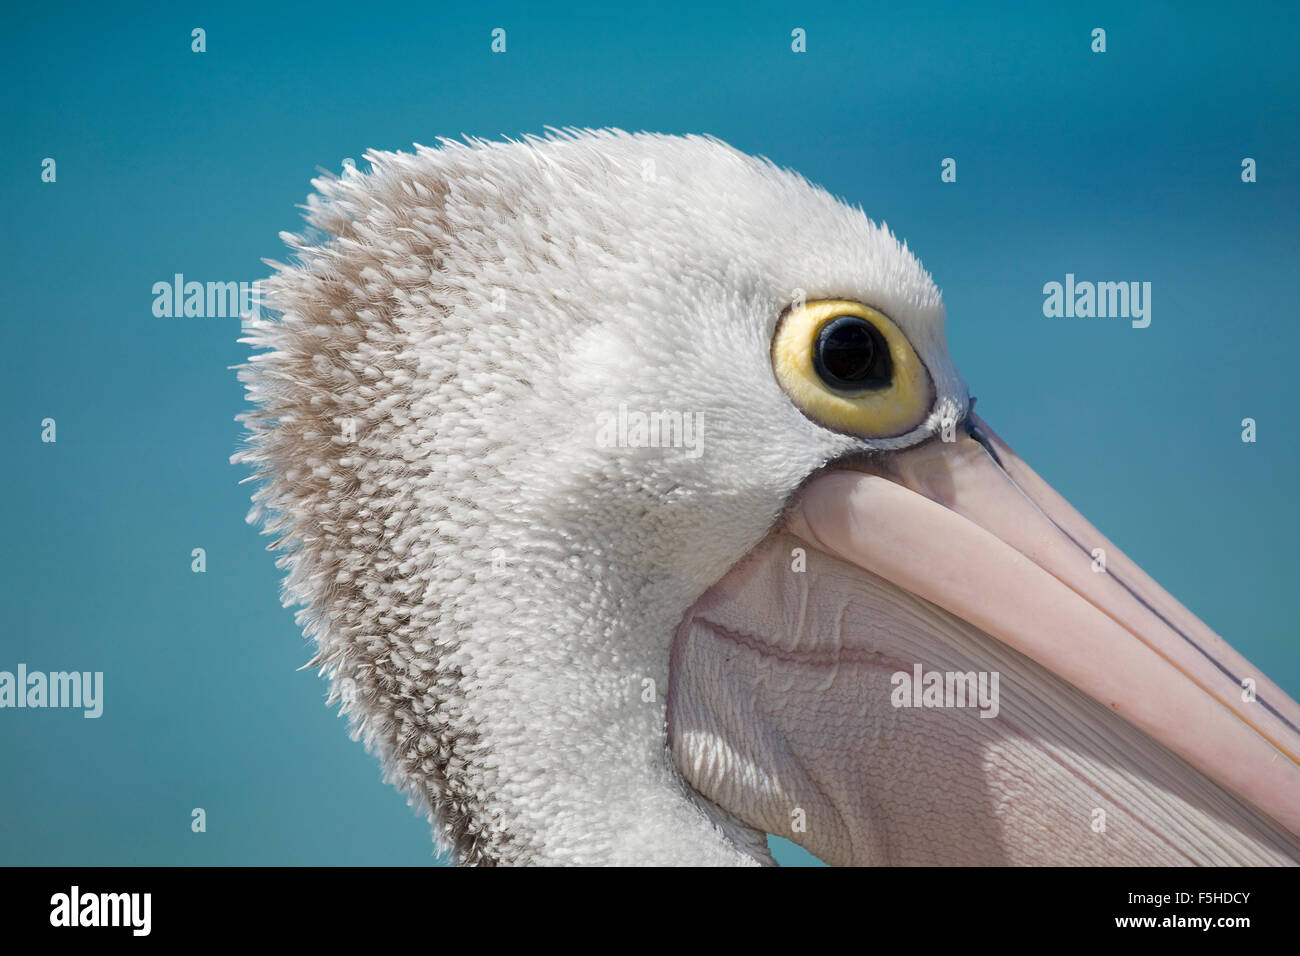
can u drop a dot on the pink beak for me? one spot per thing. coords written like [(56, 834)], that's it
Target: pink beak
[(968, 526)]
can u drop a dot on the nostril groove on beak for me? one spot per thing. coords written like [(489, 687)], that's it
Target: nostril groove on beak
[(974, 432)]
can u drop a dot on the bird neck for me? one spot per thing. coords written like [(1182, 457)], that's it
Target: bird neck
[(570, 763)]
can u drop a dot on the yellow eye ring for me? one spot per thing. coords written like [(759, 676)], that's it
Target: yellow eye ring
[(887, 392)]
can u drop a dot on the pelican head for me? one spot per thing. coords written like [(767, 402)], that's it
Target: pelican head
[(637, 509)]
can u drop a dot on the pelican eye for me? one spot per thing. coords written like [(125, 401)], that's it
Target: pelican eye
[(849, 368), (851, 355)]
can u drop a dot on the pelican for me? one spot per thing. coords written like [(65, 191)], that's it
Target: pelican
[(636, 509)]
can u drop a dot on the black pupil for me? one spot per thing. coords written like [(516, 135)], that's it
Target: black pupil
[(851, 354)]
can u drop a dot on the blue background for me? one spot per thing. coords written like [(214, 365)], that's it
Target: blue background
[(1115, 166)]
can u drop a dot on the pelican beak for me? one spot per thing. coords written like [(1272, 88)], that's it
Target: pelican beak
[(968, 526)]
